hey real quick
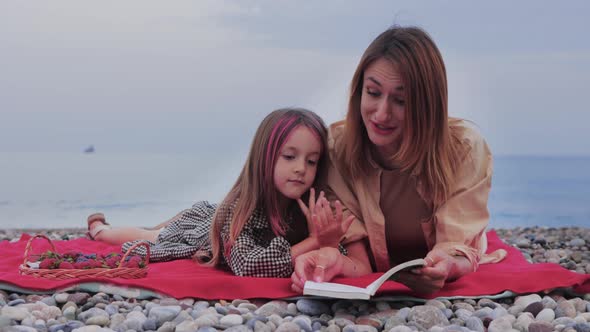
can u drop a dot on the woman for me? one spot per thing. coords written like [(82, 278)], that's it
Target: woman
[(416, 180)]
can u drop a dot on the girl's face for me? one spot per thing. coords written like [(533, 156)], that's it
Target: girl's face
[(383, 106), (297, 163)]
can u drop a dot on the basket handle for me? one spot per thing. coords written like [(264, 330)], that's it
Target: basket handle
[(130, 250), (30, 245)]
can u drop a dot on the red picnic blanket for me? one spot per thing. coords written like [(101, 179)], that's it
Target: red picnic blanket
[(184, 278)]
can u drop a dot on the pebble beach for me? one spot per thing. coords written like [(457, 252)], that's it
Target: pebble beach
[(559, 310)]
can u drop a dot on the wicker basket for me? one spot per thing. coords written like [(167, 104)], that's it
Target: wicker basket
[(62, 274)]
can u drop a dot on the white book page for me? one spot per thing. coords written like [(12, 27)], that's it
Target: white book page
[(336, 290), (374, 286)]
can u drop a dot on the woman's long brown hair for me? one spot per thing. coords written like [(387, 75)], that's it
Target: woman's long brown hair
[(429, 145)]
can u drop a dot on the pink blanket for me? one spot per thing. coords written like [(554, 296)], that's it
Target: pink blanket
[(183, 278)]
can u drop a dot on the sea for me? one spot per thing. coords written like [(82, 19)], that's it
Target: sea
[(59, 190)]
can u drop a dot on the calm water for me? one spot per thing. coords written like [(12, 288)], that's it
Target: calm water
[(60, 190)]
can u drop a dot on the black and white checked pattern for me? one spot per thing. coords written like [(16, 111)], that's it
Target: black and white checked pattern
[(257, 252)]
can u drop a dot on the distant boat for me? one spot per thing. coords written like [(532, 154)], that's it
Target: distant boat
[(89, 149)]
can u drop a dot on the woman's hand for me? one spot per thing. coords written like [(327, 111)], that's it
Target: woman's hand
[(441, 267), (317, 265)]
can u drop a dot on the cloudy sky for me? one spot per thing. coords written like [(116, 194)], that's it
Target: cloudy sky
[(179, 76)]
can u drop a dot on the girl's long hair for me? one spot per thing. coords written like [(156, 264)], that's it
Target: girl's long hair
[(254, 188), (429, 145)]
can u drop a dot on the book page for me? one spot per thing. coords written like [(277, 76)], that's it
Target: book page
[(413, 264), (331, 289)]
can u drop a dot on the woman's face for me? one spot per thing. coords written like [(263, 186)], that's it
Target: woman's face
[(383, 106)]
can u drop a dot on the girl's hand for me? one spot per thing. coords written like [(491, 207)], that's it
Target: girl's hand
[(309, 212), (432, 277), (329, 226), (317, 265)]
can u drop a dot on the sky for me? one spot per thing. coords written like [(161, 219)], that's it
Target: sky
[(189, 76)]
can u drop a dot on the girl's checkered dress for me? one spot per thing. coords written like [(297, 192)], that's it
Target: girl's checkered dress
[(257, 252)]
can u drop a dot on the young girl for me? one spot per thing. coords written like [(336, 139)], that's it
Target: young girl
[(263, 224)]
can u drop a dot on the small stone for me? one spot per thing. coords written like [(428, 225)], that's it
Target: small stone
[(523, 321), (167, 327), (312, 307), (288, 327), (403, 313), (401, 328), (61, 297), (501, 324), (382, 306), (187, 326), (475, 324), (367, 320), (359, 328), (462, 305), (483, 313), (577, 242), (524, 301), (206, 320), (150, 324), (304, 323), (393, 322), (427, 316), (582, 327), (341, 322), (248, 306), (565, 309), (463, 314), (231, 320), (70, 313), (16, 302), (540, 327), (546, 315), (435, 303), (534, 308), (273, 307), (548, 302), (238, 328), (205, 329), (78, 298), (16, 313), (523, 243), (164, 314), (98, 320)]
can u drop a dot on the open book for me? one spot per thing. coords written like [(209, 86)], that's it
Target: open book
[(341, 291)]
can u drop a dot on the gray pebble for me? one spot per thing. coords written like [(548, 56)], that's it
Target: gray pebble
[(401, 328), (427, 316), (231, 320), (304, 323), (546, 315), (312, 307), (463, 314), (207, 329), (288, 327), (403, 313), (16, 302), (475, 324), (150, 324), (238, 328), (359, 328), (164, 314), (582, 327), (565, 309), (540, 327), (167, 327)]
